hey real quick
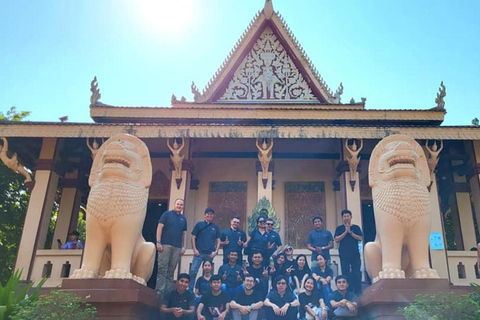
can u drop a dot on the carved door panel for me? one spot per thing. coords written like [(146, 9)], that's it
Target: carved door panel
[(228, 199), (303, 201)]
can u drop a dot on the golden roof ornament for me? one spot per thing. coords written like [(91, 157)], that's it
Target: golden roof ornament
[(440, 95), (95, 97)]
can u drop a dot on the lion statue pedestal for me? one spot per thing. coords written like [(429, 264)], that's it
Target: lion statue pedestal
[(399, 177), (120, 178)]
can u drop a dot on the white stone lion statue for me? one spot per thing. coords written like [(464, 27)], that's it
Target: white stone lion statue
[(120, 178), (399, 176)]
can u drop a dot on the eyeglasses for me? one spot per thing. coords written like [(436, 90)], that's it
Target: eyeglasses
[(341, 281), (282, 283), (269, 224)]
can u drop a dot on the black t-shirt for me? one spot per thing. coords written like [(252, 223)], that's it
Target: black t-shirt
[(348, 245), (310, 300), (214, 305), (245, 300), (349, 295), (232, 280), (174, 299), (280, 301), (206, 236), (203, 286)]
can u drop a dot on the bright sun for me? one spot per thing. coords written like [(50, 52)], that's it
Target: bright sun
[(172, 17)]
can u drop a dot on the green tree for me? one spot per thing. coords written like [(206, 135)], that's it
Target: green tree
[(13, 206)]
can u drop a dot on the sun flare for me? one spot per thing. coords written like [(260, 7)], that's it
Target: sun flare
[(172, 17)]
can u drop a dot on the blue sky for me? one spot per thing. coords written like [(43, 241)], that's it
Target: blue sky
[(394, 53)]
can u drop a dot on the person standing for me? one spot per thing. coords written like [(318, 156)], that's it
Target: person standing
[(319, 240), (205, 243), (171, 242), (258, 241), (274, 240), (348, 235), (233, 239), (179, 303)]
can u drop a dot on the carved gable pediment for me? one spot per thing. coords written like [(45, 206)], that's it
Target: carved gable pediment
[(267, 73), (267, 65)]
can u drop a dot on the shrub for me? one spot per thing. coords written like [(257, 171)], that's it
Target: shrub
[(15, 293), (57, 305), (443, 306)]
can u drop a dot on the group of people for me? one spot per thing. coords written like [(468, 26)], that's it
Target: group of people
[(274, 283)]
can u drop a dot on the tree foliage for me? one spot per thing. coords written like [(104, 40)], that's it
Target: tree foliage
[(13, 206), (13, 115)]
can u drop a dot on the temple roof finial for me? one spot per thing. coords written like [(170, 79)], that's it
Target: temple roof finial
[(440, 95), (95, 97), (268, 9)]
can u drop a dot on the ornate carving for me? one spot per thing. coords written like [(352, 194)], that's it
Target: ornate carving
[(398, 175), (13, 163), (176, 157), (94, 147), (440, 95), (264, 156), (433, 152), (95, 97), (303, 201), (265, 209), (116, 209), (173, 99), (337, 97), (353, 158), (195, 92), (268, 73), (228, 199)]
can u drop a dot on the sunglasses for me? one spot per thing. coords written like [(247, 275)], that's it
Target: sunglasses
[(269, 224), (288, 249), (261, 221)]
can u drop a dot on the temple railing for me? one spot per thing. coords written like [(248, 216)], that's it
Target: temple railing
[(55, 265), (462, 267), (58, 264)]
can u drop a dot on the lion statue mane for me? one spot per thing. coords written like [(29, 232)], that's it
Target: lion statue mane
[(399, 176), (120, 178)]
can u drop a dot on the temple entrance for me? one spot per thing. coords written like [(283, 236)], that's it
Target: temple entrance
[(155, 208)]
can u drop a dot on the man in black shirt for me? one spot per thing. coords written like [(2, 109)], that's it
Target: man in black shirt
[(246, 303), (179, 303), (348, 235), (260, 273), (205, 243), (233, 239), (214, 304), (342, 301)]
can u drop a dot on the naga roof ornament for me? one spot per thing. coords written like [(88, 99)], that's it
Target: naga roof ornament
[(267, 64), (95, 97), (440, 95)]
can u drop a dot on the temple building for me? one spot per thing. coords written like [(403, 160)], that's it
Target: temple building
[(266, 129)]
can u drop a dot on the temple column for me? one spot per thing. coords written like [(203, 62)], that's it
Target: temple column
[(475, 180), (438, 256), (178, 186), (464, 210), (39, 208), (352, 199), (69, 202), (261, 191)]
